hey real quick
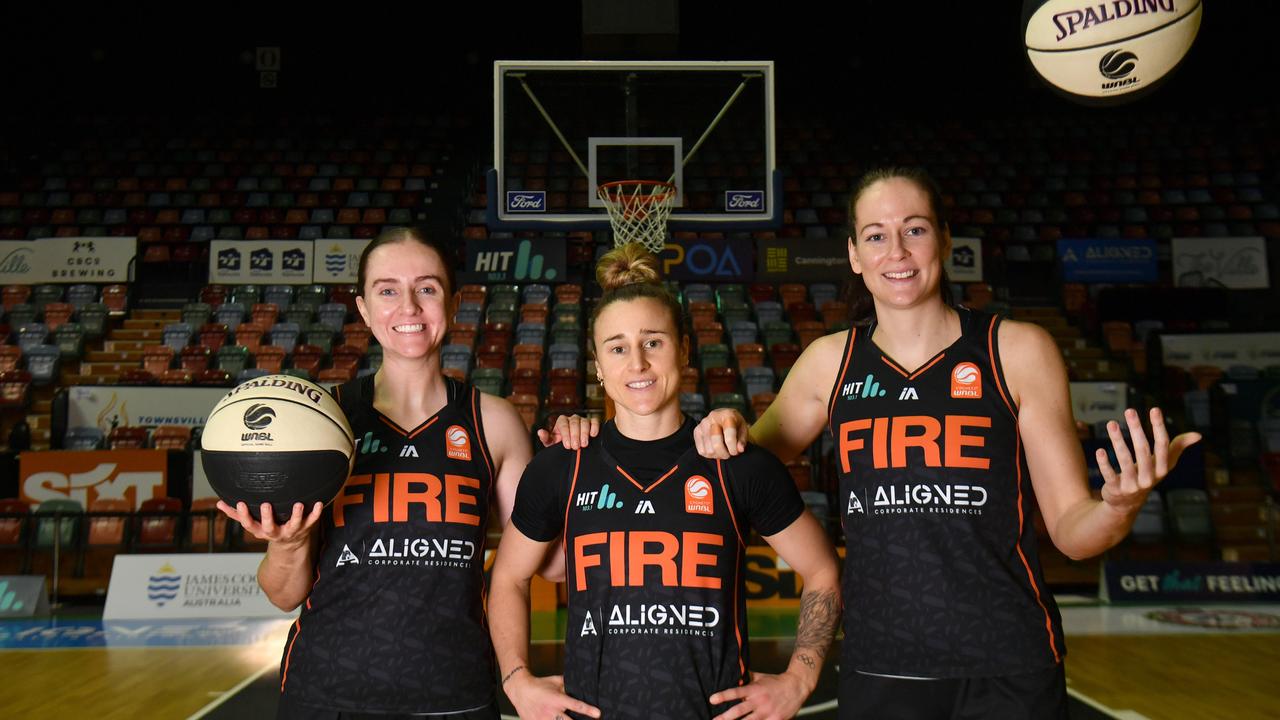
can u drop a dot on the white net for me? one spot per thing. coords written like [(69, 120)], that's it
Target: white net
[(638, 211)]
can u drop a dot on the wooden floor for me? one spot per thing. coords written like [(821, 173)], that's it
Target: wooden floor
[(1205, 677), (1230, 675), (125, 683)]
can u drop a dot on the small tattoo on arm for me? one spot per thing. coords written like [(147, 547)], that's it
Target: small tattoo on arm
[(517, 669), (808, 661)]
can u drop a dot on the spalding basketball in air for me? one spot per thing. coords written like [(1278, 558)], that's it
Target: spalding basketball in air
[(277, 439), (1102, 51)]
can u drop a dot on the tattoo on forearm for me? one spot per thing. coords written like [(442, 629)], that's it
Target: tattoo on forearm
[(816, 626), (808, 661), (515, 670)]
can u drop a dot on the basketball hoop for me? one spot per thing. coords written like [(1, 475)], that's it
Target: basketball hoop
[(638, 211)]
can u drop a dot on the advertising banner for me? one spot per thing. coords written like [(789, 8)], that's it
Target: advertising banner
[(67, 260), (1221, 350), (1238, 263), (23, 596), (515, 260), (803, 260), (284, 262), (1108, 260), (709, 261), (965, 263), (192, 585), (87, 475), (1093, 402), (105, 407), (1157, 582), (337, 262)]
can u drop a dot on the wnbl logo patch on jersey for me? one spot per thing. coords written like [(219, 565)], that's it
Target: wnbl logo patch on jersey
[(457, 444), (966, 381), (697, 496)]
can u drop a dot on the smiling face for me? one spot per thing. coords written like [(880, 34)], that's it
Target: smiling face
[(406, 301), (640, 353), (898, 247)]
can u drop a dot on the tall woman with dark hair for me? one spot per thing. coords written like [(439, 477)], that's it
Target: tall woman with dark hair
[(654, 537), (390, 575), (951, 427)]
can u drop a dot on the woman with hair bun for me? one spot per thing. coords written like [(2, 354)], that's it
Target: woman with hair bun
[(654, 539)]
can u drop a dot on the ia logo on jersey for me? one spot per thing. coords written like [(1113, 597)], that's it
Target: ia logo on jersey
[(645, 508), (457, 444), (409, 451), (908, 393), (347, 557), (854, 505)]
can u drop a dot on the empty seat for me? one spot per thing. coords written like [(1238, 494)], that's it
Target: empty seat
[(213, 335), (177, 336), (230, 314), (270, 358), (15, 388), (93, 318), (157, 521), (57, 313), (196, 314), (31, 335), (70, 340), (233, 358), (285, 335), (333, 315), (307, 359), (108, 520), (127, 438), (43, 362)]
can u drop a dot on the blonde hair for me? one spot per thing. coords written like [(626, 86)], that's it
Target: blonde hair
[(628, 264), (630, 272)]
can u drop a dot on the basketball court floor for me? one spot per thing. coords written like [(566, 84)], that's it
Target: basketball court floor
[(1126, 663)]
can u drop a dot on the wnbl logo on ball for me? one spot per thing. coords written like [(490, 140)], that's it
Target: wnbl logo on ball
[(526, 201), (743, 201), (257, 417), (457, 444), (697, 496)]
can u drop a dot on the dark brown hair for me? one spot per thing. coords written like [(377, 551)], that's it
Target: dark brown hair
[(410, 234), (629, 272), (862, 308)]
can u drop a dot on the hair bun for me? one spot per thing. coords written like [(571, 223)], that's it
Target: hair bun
[(629, 264)]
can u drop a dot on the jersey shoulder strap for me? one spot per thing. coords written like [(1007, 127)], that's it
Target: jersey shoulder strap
[(354, 394)]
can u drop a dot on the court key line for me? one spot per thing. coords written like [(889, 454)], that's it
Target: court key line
[(1110, 712), (233, 691)]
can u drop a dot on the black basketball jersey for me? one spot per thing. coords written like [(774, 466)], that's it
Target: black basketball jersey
[(656, 611), (395, 621), (941, 574)]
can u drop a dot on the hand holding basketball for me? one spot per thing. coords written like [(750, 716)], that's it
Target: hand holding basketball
[(1143, 468), (766, 697), (294, 532), (721, 434)]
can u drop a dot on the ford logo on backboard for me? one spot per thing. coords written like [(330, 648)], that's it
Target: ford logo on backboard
[(744, 201), (526, 201)]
